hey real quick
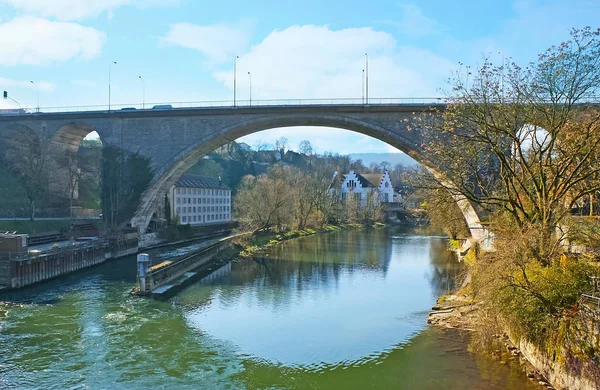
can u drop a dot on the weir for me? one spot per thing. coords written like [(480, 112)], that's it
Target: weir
[(167, 275)]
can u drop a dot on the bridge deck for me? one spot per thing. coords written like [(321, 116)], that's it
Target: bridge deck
[(89, 112)]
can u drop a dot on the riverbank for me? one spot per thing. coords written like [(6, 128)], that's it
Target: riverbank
[(264, 239), (459, 311)]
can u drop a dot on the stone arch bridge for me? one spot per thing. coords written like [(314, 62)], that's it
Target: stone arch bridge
[(175, 139)]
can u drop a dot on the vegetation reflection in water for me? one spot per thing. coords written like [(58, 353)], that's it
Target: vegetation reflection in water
[(343, 310)]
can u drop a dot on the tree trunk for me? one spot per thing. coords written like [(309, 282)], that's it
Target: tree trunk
[(32, 209)]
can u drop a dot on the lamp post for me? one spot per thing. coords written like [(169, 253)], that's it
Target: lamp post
[(109, 69), (143, 92), (38, 96), (367, 78), (250, 76), (235, 78), (362, 84)]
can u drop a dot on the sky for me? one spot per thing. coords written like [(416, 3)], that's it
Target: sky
[(63, 50)]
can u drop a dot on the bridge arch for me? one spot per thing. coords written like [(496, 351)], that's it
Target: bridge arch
[(64, 148), (166, 176)]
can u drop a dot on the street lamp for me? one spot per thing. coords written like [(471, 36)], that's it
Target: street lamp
[(235, 78), (38, 97), (363, 86), (143, 92), (250, 76), (109, 68), (367, 78)]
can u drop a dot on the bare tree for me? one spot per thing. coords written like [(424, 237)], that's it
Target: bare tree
[(384, 165), (71, 164), (305, 148), (28, 156), (521, 140), (281, 145)]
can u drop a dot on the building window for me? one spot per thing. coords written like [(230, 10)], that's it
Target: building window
[(178, 200), (387, 184), (183, 219), (178, 210), (194, 218), (194, 209)]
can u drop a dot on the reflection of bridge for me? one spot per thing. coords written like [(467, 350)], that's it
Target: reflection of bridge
[(176, 138)]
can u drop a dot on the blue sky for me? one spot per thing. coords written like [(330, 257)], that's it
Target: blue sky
[(184, 50)]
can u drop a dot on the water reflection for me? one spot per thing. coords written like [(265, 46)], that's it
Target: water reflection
[(328, 299), (343, 310)]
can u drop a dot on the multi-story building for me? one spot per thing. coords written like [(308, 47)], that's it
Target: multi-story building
[(200, 200), (362, 186)]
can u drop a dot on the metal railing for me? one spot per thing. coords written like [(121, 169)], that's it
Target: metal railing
[(33, 253), (227, 104), (590, 300), (224, 104)]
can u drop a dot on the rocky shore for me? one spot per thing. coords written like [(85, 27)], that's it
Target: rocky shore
[(458, 311), (453, 311)]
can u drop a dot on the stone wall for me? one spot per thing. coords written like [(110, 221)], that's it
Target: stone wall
[(575, 366)]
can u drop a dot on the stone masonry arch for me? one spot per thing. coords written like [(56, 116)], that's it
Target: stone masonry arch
[(64, 143), (168, 174)]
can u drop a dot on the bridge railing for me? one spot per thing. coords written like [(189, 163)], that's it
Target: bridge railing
[(244, 104), (227, 104)]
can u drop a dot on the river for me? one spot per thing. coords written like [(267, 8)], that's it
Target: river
[(343, 310)]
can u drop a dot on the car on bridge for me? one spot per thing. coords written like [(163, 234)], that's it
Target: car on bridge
[(13, 111), (162, 107)]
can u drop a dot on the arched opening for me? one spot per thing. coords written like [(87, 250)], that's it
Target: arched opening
[(76, 155), (166, 176)]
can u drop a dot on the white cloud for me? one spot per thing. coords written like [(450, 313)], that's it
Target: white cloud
[(317, 62), (412, 22), (43, 86), (218, 42), (78, 9), (34, 41)]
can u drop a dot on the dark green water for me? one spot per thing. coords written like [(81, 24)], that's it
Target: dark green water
[(343, 310)]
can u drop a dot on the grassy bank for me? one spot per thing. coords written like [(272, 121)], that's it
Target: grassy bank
[(263, 239)]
